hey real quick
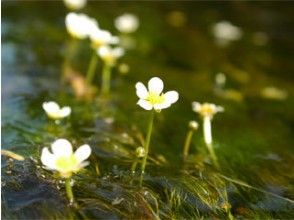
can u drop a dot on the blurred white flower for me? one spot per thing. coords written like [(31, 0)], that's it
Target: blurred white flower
[(110, 55), (225, 32), (220, 80), (207, 111), (274, 93), (153, 98), (54, 111), (80, 25), (75, 4), (100, 38), (62, 158), (127, 23)]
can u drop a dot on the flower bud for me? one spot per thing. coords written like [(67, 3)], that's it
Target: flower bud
[(193, 125), (140, 152)]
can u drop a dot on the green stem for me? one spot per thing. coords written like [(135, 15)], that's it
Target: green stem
[(134, 165), (106, 76), (146, 147), (213, 155), (187, 143), (69, 190), (92, 68)]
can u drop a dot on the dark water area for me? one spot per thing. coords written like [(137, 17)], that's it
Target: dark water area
[(253, 137)]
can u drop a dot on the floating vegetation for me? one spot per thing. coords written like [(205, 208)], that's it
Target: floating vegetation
[(91, 58)]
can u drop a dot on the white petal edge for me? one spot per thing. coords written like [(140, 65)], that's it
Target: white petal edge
[(145, 104), (155, 85), (61, 147), (65, 111), (50, 106), (196, 106), (48, 159), (141, 90), (171, 96), (83, 152)]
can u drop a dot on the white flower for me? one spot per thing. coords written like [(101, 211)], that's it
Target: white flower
[(53, 110), (225, 32), (127, 23), (206, 109), (154, 98), (101, 37), (75, 4), (110, 55), (80, 25), (62, 158)]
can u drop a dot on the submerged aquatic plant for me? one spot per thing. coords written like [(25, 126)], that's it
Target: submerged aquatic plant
[(127, 23), (207, 111), (65, 161), (155, 99), (75, 4), (193, 126), (54, 111), (109, 56)]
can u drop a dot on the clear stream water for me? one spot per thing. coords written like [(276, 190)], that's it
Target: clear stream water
[(253, 137)]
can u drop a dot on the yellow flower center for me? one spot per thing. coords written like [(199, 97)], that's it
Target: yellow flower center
[(154, 98), (66, 164), (207, 110)]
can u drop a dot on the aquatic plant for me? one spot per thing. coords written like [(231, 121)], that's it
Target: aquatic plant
[(79, 25), (153, 99), (225, 32), (65, 161), (193, 126), (98, 39), (75, 4), (109, 56), (54, 111), (207, 111), (127, 23)]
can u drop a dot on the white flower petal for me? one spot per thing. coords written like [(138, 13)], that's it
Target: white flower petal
[(83, 152), (196, 106), (50, 107), (163, 105), (171, 96), (145, 104), (65, 111), (47, 158), (155, 85), (61, 147), (141, 90)]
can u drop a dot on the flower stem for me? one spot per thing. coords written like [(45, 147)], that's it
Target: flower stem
[(106, 76), (69, 192), (92, 68), (146, 147), (134, 166), (187, 143), (208, 140)]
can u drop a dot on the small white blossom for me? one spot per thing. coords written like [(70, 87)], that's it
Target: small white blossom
[(54, 111), (75, 4), (63, 159), (206, 109), (80, 26), (100, 38), (110, 55), (153, 98), (225, 32), (127, 23)]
